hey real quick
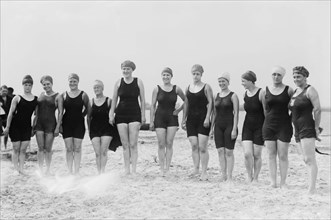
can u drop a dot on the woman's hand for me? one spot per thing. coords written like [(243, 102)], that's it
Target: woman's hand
[(176, 112), (206, 123), (184, 125), (56, 131), (6, 131), (151, 126), (111, 120), (143, 120), (234, 134)]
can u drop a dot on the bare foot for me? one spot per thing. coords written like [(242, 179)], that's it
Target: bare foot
[(311, 191), (23, 173), (283, 186), (203, 177), (223, 178), (194, 174)]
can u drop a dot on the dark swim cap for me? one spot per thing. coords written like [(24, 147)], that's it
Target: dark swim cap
[(167, 70), (249, 76), (301, 70), (27, 79), (128, 63)]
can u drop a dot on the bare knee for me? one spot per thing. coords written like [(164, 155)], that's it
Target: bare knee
[(203, 150), (257, 156), (283, 157), (248, 155), (78, 149), (229, 153), (162, 145), (169, 146), (195, 147)]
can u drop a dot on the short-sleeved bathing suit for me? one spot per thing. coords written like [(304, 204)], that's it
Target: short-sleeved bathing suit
[(302, 116), (128, 109), (277, 123), (197, 112), (224, 122), (20, 129), (99, 125), (252, 128), (73, 119), (164, 116), (46, 120)]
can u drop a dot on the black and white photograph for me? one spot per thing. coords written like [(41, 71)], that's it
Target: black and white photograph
[(165, 109)]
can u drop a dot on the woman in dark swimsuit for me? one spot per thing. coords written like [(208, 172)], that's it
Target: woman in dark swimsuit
[(306, 118), (197, 111), (277, 128), (225, 124), (19, 123), (165, 118), (46, 126), (252, 140), (101, 132), (76, 106), (129, 115)]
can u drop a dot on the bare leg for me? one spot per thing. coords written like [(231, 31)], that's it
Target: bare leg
[(283, 161), (134, 128), (123, 131), (96, 142), (229, 163), (171, 132), (69, 143), (257, 161), (272, 151), (16, 153), (49, 138), (77, 153), (5, 139), (249, 159), (308, 147), (222, 161), (105, 141), (40, 137), (195, 153), (204, 155), (161, 137), (21, 158)]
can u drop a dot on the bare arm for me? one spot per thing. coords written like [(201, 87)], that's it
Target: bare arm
[(213, 116), (86, 102), (180, 93), (262, 94), (153, 106), (314, 98), (185, 111), (114, 103), (142, 101), (209, 95), (89, 114), (12, 109), (59, 102), (235, 102)]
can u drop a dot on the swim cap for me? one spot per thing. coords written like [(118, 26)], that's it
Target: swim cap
[(197, 67), (249, 76), (46, 78), (128, 63), (99, 82), (225, 75), (301, 70), (167, 70), (73, 75), (27, 79), (278, 69)]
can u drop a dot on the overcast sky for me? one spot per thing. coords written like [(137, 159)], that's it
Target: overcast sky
[(93, 38)]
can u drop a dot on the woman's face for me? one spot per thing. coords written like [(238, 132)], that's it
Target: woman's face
[(27, 87), (47, 86), (98, 89), (223, 83), (299, 79), (127, 71), (166, 77), (277, 78), (73, 83), (196, 76), (245, 83)]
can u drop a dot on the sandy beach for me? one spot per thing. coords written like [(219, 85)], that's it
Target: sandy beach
[(150, 196)]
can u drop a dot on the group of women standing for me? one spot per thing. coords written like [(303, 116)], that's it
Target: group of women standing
[(267, 121)]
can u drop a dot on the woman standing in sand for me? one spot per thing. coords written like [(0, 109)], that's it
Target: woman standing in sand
[(198, 107), (101, 132), (306, 118), (277, 128), (252, 139), (165, 119), (19, 123), (76, 106), (225, 123), (45, 123), (129, 114)]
